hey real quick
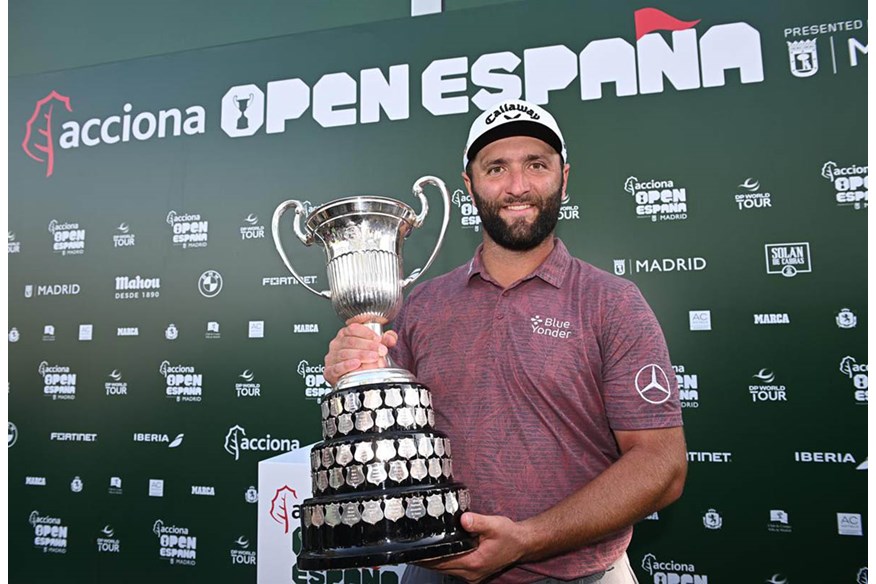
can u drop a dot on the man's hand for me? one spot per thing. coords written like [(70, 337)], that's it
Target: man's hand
[(356, 347), (502, 543)]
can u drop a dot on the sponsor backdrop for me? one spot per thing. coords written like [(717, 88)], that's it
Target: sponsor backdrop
[(158, 349)]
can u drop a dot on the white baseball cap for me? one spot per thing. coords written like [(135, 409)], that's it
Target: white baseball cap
[(513, 117)]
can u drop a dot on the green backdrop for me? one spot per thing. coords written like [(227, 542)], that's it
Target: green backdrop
[(129, 365)]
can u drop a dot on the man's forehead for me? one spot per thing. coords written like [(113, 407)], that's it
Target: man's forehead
[(521, 147)]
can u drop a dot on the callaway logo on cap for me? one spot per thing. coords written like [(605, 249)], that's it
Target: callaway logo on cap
[(513, 117)]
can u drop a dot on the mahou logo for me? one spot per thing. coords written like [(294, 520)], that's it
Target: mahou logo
[(39, 137)]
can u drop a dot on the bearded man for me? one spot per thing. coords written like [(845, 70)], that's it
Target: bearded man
[(551, 377)]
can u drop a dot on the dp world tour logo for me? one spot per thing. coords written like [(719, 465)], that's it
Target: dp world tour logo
[(38, 142)]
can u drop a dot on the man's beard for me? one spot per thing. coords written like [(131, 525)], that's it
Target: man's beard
[(520, 235)]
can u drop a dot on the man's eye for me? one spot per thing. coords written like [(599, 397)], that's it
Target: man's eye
[(494, 170)]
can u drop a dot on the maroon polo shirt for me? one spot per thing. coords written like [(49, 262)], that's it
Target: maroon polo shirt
[(530, 381)]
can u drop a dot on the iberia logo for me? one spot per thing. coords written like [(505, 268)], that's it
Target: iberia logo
[(649, 20), (38, 142), (282, 506)]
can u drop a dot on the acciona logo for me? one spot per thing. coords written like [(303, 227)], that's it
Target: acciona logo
[(177, 544), (119, 127), (658, 199), (59, 382), (849, 182), (184, 384), (672, 571), (237, 442), (316, 385), (67, 238), (49, 533), (628, 67), (189, 230)]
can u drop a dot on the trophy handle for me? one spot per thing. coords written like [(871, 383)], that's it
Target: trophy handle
[(418, 191), (306, 239)]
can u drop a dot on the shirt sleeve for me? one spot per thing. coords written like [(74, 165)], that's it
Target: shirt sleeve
[(401, 353), (640, 389)]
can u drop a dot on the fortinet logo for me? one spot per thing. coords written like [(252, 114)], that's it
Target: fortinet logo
[(39, 142), (73, 437), (709, 456)]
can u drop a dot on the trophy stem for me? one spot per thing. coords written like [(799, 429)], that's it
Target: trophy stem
[(378, 328)]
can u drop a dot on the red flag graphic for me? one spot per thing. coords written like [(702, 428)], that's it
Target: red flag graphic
[(651, 19), (45, 151)]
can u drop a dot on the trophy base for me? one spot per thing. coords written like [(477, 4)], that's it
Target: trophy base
[(438, 546)]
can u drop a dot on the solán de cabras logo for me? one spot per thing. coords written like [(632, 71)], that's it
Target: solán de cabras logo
[(38, 141)]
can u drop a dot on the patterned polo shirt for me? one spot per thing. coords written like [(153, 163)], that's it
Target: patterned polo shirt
[(529, 382)]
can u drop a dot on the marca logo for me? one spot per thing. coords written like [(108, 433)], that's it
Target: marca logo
[(316, 385), (788, 259), (752, 197), (688, 387), (124, 238), (203, 491), (659, 265), (39, 138), (237, 442), (176, 545), (672, 571), (127, 331), (137, 287), (849, 182), (305, 328), (49, 534), (182, 381), (67, 238), (772, 318), (344, 99), (658, 200), (35, 481), (58, 381)]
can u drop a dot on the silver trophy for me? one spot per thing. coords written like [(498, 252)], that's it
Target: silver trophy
[(383, 475)]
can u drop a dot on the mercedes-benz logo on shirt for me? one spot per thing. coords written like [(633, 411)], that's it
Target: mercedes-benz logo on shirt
[(652, 384)]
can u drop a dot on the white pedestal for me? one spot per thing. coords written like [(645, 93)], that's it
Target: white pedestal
[(284, 483)]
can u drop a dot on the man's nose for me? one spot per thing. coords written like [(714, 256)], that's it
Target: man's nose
[(518, 183)]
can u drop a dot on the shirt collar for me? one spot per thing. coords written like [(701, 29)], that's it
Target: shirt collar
[(552, 270)]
